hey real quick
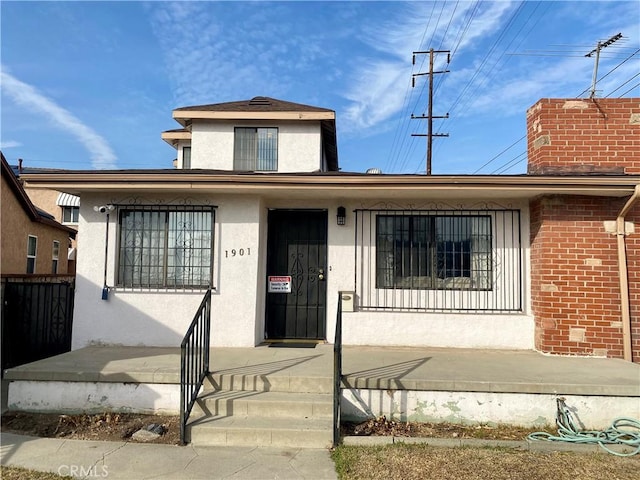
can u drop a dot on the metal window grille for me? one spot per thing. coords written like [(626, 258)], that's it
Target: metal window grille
[(439, 260), (166, 247)]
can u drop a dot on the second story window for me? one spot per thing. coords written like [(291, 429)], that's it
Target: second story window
[(70, 214), (55, 256), (32, 251), (186, 157), (255, 149)]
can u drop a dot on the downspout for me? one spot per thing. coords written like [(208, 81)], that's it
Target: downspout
[(623, 275)]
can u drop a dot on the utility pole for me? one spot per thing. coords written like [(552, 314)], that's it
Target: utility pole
[(596, 50), (430, 115)]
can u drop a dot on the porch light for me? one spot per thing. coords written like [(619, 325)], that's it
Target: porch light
[(342, 216)]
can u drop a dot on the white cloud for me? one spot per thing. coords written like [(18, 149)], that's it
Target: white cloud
[(377, 91), (102, 157), (10, 144)]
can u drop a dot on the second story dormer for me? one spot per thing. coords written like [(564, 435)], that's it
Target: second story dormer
[(258, 135)]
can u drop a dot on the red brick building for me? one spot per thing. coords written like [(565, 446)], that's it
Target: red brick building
[(585, 251)]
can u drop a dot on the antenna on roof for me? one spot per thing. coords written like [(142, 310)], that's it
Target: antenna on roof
[(596, 50)]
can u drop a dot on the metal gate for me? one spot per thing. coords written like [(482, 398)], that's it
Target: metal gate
[(37, 319)]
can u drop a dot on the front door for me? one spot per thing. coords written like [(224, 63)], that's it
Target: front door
[(296, 275)]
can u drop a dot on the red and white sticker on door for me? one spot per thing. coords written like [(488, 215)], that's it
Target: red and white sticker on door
[(281, 284)]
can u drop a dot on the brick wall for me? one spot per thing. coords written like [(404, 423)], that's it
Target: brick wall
[(584, 136), (574, 264)]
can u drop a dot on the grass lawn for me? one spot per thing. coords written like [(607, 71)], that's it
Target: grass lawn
[(17, 473), (416, 461)]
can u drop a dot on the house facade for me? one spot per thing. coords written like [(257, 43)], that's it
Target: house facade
[(33, 242), (258, 210)]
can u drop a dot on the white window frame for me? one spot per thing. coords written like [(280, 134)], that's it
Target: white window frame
[(32, 257), (55, 257), (71, 209)]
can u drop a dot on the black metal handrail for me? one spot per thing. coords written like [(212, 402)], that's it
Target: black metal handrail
[(337, 373), (194, 361)]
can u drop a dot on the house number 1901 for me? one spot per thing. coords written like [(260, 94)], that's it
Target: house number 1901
[(240, 252)]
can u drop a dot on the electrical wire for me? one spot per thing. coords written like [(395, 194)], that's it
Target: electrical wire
[(622, 431), (635, 86), (503, 151), (622, 85)]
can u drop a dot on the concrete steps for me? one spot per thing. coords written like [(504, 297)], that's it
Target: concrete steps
[(263, 410)]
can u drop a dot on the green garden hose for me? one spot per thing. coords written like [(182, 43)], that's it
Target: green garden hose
[(623, 431)]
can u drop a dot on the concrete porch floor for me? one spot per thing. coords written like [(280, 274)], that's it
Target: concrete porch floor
[(378, 368)]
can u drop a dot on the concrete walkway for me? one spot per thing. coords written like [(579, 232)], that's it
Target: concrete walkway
[(131, 461)]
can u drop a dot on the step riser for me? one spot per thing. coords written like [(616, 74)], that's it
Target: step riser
[(264, 409), (263, 438), (255, 383)]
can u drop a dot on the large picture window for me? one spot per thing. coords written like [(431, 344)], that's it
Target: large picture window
[(433, 252), (255, 149), (166, 247), (439, 259)]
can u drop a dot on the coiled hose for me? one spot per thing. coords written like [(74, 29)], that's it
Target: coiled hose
[(615, 434)]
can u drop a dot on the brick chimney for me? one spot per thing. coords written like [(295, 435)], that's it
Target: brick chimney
[(584, 136)]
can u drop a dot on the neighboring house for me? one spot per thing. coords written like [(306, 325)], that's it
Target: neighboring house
[(63, 207), (259, 211), (33, 242)]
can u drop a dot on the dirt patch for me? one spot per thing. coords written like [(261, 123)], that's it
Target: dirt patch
[(121, 426), (384, 427), (104, 426)]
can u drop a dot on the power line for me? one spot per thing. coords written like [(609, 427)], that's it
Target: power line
[(512, 163), (499, 154), (619, 87), (636, 85)]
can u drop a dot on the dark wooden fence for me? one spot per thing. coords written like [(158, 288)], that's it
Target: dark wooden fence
[(37, 318)]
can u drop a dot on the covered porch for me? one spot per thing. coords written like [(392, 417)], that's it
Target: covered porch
[(418, 384)]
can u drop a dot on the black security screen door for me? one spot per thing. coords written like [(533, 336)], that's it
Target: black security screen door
[(296, 275)]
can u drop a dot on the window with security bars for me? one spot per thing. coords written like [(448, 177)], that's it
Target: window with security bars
[(439, 260), (255, 149), (166, 247), (433, 252)]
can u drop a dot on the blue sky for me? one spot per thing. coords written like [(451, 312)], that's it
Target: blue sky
[(91, 85)]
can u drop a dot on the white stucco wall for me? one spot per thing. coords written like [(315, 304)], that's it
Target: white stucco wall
[(160, 318), (94, 397), (524, 409), (298, 144)]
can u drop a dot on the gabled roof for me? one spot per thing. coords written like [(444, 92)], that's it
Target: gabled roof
[(34, 213)]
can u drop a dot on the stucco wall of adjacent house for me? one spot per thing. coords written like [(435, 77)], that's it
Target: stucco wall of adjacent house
[(299, 147), (16, 226)]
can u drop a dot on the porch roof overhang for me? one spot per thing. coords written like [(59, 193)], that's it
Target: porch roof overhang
[(333, 184)]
